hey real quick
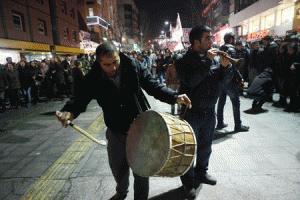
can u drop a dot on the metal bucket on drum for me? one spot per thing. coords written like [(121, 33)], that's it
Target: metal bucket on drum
[(160, 144)]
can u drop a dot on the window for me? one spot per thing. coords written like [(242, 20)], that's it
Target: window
[(91, 12), (74, 36), (255, 26), (245, 29), (63, 7), (287, 15), (40, 1), (99, 2), (18, 20), (72, 13), (66, 33), (270, 21), (42, 27), (89, 2), (128, 7)]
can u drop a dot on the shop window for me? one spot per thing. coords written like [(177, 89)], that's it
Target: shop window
[(287, 15), (18, 20), (254, 26), (74, 36), (270, 21), (278, 17), (92, 28), (72, 13), (42, 27), (63, 7), (66, 33), (262, 23)]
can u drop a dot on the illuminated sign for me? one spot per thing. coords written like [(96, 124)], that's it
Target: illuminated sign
[(256, 35)]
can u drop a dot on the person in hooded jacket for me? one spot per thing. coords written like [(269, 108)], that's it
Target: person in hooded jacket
[(261, 88)]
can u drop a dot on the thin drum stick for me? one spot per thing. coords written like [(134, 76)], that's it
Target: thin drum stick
[(101, 142)]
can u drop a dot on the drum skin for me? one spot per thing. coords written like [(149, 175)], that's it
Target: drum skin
[(160, 144)]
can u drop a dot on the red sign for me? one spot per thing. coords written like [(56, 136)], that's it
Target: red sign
[(210, 5), (261, 34)]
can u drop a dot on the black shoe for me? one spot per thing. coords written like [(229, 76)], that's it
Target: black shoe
[(189, 192), (241, 129), (279, 104), (207, 179), (220, 126), (119, 196), (290, 109)]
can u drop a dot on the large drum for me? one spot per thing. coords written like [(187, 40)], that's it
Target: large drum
[(159, 144)]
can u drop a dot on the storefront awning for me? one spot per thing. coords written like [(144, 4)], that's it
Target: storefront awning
[(23, 45), (68, 50)]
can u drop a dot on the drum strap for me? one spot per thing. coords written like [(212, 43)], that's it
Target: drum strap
[(138, 103)]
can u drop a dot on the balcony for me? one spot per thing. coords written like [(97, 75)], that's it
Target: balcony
[(95, 20)]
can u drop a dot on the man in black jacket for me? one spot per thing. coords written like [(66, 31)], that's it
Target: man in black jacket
[(230, 88), (116, 82), (199, 77)]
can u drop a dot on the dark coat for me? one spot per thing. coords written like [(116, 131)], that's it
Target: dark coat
[(199, 79), (269, 56), (25, 77), (3, 80), (120, 107), (255, 59), (13, 79), (262, 84)]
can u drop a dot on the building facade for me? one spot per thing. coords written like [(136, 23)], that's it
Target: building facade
[(33, 29), (256, 19)]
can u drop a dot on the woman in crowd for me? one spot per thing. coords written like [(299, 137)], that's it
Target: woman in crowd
[(14, 86)]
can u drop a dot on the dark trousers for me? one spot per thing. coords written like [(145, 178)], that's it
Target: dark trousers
[(233, 93), (258, 101), (116, 149), (14, 97), (203, 124)]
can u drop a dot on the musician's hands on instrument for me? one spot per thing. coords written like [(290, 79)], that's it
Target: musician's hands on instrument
[(224, 61), (211, 53), (63, 117), (184, 99)]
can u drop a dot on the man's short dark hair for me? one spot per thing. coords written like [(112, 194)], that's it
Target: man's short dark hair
[(8, 58), (228, 36), (267, 38), (105, 49), (197, 33)]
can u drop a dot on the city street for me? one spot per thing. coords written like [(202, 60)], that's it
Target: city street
[(39, 159)]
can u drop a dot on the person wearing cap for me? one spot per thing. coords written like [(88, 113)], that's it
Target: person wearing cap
[(231, 88), (260, 89)]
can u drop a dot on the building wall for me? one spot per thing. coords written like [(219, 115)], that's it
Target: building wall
[(18, 6), (63, 20)]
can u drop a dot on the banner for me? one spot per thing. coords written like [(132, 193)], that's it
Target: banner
[(176, 36)]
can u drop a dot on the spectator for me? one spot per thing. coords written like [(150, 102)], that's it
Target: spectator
[(254, 62), (3, 87), (78, 76), (26, 81), (14, 86), (172, 81), (261, 88), (242, 52), (281, 76), (269, 54)]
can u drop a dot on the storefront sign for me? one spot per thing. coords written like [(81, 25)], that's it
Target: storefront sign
[(256, 35)]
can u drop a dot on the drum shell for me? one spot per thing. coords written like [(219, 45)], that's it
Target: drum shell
[(174, 148)]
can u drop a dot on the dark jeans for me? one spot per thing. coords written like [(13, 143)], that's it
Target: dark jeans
[(203, 124), (116, 149), (233, 93), (14, 97)]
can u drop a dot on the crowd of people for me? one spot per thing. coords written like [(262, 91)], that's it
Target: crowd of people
[(24, 83)]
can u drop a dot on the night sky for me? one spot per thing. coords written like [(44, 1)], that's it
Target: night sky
[(160, 11)]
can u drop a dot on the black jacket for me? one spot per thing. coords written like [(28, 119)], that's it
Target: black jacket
[(262, 84), (269, 56), (199, 79), (120, 107)]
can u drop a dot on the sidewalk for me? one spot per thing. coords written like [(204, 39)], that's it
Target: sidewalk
[(263, 163)]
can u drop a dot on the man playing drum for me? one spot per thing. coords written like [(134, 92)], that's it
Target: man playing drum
[(116, 82), (200, 76)]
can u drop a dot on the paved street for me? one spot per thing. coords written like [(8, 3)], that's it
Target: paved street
[(39, 159)]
